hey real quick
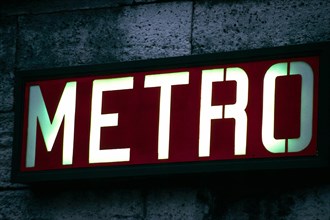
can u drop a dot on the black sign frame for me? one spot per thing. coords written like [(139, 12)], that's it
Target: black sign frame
[(320, 161)]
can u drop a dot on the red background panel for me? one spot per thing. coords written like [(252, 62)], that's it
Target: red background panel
[(138, 110)]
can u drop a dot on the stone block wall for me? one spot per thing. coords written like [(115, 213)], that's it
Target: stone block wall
[(43, 34)]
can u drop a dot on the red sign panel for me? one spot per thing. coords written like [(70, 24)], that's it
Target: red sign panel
[(215, 112)]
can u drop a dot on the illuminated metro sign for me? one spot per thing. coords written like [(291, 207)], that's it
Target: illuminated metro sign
[(178, 114)]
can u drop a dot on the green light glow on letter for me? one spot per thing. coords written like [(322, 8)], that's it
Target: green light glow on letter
[(306, 116), (99, 120), (165, 82), (236, 111), (38, 112), (273, 145), (306, 109)]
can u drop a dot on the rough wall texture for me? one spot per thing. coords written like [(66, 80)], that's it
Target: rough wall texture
[(237, 25), (104, 35), (35, 34)]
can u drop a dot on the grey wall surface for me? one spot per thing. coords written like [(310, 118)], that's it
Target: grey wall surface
[(43, 34)]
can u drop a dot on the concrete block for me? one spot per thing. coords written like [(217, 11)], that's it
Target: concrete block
[(41, 7), (5, 158), (174, 203), (53, 203), (7, 59), (6, 129), (12, 204), (5, 170), (312, 203), (104, 35), (303, 203), (145, 1), (227, 26), (6, 145), (6, 91)]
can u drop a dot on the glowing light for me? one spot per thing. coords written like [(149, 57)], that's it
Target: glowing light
[(99, 120), (294, 144), (165, 82), (49, 130), (236, 111), (273, 145), (208, 111), (306, 116)]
